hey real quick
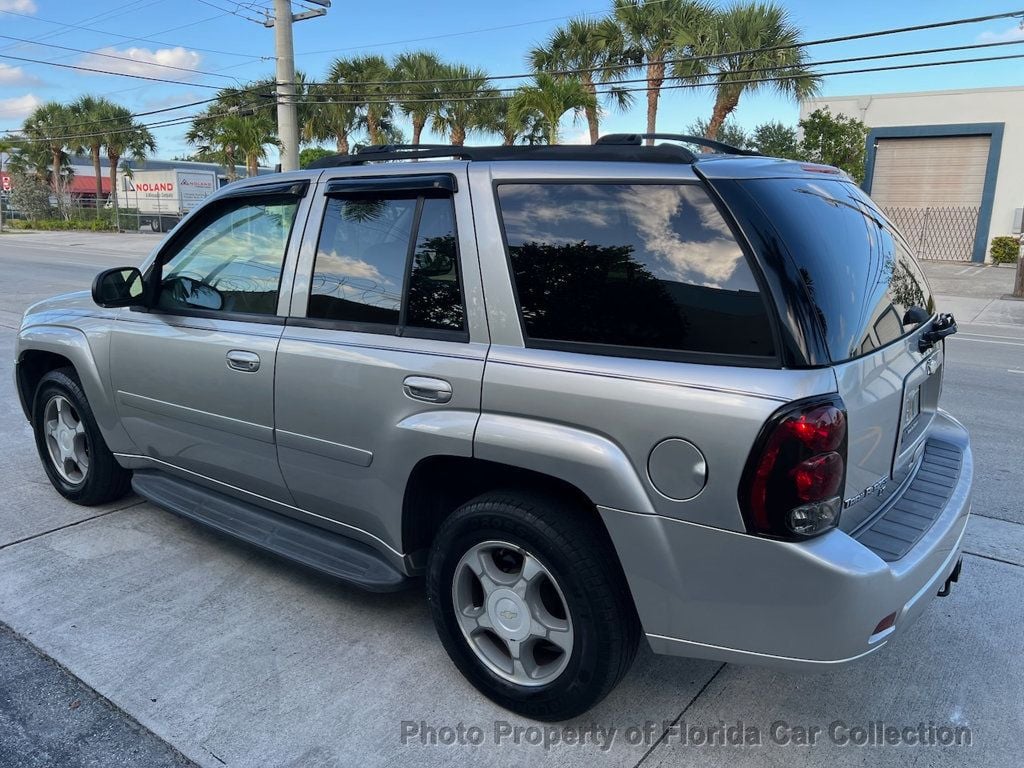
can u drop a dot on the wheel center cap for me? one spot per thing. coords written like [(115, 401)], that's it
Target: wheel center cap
[(509, 614), (66, 438)]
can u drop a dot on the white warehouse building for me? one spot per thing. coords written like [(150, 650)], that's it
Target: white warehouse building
[(946, 166)]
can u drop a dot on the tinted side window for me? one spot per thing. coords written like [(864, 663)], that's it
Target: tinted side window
[(377, 255), (652, 266), (858, 271), (435, 294), (233, 264), (361, 260)]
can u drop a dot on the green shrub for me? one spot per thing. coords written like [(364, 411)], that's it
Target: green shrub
[(1005, 250), (60, 225)]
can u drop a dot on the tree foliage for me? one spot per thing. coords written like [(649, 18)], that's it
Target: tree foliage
[(776, 140), (30, 194), (312, 154), (836, 140), (731, 133)]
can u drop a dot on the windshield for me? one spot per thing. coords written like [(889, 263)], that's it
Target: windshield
[(866, 287)]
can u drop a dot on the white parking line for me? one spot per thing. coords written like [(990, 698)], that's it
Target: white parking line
[(1013, 370), (959, 337)]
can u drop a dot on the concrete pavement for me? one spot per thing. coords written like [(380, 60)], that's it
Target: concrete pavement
[(232, 657)]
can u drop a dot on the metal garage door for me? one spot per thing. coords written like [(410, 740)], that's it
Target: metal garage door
[(931, 188)]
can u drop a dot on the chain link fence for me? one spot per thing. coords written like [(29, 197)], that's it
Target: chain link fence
[(944, 234)]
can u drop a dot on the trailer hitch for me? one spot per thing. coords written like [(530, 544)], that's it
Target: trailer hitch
[(954, 576)]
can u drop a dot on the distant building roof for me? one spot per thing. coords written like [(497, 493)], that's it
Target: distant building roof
[(83, 166)]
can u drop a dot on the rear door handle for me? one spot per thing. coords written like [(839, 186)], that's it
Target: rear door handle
[(241, 360), (428, 389)]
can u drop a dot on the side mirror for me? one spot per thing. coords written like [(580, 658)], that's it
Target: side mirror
[(119, 287)]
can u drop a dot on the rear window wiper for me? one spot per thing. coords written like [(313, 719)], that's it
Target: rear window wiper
[(859, 209), (944, 325)]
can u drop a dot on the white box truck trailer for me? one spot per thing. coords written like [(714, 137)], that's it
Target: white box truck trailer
[(163, 197)]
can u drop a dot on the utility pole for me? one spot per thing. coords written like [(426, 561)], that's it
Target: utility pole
[(287, 117)]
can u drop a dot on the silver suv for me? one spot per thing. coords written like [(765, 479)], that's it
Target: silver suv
[(589, 393)]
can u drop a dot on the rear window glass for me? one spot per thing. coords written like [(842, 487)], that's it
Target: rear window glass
[(653, 267), (859, 272)]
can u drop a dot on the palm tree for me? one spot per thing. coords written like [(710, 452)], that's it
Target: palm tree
[(512, 126), (326, 116), (552, 98), (251, 134), (654, 30), (590, 49), (364, 80), (53, 126), (752, 27), (460, 109), (211, 142), (123, 136), (91, 112), (420, 72)]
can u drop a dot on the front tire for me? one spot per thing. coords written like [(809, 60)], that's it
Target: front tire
[(531, 604), (76, 458)]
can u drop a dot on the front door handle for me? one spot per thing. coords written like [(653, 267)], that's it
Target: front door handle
[(241, 360), (426, 388)]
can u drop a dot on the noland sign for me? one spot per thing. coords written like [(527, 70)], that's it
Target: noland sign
[(188, 188)]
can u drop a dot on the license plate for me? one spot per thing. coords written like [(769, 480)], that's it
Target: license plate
[(911, 407)]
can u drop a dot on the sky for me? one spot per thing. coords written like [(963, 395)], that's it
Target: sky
[(222, 41)]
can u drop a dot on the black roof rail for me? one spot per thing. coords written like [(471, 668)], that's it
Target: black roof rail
[(608, 151), (380, 148), (635, 139)]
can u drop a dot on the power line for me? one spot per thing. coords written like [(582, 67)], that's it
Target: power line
[(12, 131), (95, 17), (711, 76), (169, 122), (781, 78), (469, 31), (236, 12), (713, 56), (487, 97), (112, 56), (80, 68), (133, 38)]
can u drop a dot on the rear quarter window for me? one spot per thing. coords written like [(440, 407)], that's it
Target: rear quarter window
[(645, 269), (859, 274)]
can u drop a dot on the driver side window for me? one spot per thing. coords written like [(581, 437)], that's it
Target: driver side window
[(233, 263)]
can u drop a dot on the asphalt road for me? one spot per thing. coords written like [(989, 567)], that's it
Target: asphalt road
[(185, 643)]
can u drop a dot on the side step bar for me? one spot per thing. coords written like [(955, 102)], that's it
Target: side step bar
[(322, 550)]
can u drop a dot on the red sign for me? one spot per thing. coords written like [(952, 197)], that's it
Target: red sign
[(5, 182)]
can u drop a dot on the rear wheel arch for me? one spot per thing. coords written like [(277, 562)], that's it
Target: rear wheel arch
[(438, 485)]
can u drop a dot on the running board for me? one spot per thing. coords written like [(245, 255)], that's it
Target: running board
[(314, 547)]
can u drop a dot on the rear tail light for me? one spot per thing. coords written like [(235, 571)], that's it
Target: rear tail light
[(793, 481)]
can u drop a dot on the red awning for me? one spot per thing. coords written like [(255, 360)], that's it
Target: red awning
[(86, 185), (80, 185)]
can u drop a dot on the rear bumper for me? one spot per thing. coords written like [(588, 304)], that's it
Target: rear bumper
[(717, 594)]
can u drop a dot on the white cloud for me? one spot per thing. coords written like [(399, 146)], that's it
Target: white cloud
[(144, 61), (19, 107), (1015, 32), (580, 137), (19, 6), (16, 76)]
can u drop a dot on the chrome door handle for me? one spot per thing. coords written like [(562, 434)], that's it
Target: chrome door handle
[(428, 389), (240, 360)]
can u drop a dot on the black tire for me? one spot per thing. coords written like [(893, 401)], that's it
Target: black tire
[(574, 547), (105, 480)]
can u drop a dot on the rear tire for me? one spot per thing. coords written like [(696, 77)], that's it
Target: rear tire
[(76, 458), (583, 629)]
